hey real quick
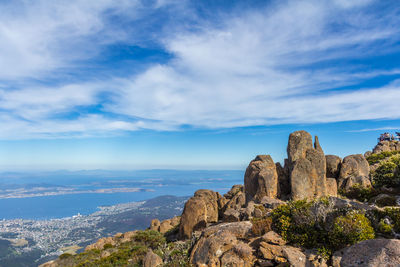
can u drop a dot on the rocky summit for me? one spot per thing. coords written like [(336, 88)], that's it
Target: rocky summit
[(314, 210)]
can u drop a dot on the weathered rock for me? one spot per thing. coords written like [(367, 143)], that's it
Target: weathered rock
[(331, 187), (231, 215), (169, 224), (314, 258), (307, 166), (367, 154), (100, 243), (351, 181), (152, 260), (219, 239), (333, 166), (295, 256), (303, 179), (241, 256), (373, 253), (386, 146), (155, 225), (354, 169), (128, 236), (248, 211), (211, 200), (236, 202), (317, 159), (199, 210), (261, 179), (299, 143), (273, 238), (234, 190), (271, 252), (271, 203)]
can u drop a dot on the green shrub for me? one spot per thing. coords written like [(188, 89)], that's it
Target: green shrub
[(376, 158), (384, 228), (107, 246), (296, 223), (151, 238), (350, 229), (359, 192), (394, 215), (316, 224)]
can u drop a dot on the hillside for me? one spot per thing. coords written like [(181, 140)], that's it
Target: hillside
[(316, 210)]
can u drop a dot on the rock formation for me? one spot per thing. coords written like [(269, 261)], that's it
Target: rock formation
[(199, 210), (386, 146), (307, 166), (354, 170), (152, 260), (261, 178), (373, 253), (220, 245)]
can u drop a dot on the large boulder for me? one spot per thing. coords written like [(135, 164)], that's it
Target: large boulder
[(371, 253), (386, 146), (169, 224), (307, 166), (261, 179), (355, 169), (199, 210), (221, 239), (333, 163), (152, 260)]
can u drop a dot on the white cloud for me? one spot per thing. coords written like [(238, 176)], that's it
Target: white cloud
[(254, 70), (37, 37), (256, 67)]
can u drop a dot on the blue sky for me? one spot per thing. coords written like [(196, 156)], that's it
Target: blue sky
[(192, 84)]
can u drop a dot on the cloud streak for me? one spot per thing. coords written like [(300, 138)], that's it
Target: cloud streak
[(292, 62)]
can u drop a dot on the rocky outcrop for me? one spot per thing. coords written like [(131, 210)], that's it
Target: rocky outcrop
[(386, 146), (371, 253), (199, 210), (261, 179), (152, 260), (307, 165), (155, 225), (333, 163), (354, 170), (100, 243), (221, 244), (165, 225)]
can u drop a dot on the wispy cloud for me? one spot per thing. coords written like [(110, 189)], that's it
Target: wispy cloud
[(389, 128), (284, 63)]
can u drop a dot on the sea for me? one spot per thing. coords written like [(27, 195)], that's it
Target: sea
[(60, 194)]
